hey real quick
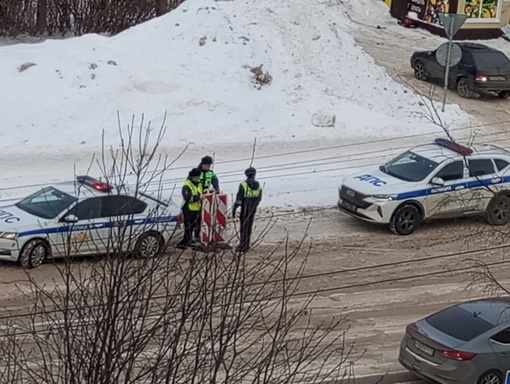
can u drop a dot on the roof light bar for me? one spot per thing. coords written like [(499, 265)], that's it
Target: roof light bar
[(460, 149), (94, 183)]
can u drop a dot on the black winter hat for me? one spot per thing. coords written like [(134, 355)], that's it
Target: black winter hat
[(206, 160), (250, 172), (194, 172)]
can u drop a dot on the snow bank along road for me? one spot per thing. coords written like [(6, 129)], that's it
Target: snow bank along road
[(380, 281)]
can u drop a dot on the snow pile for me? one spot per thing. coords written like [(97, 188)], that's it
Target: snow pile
[(197, 64), (370, 12)]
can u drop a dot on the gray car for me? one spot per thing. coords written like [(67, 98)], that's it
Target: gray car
[(466, 343)]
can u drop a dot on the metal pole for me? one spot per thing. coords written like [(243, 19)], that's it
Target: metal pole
[(447, 71)]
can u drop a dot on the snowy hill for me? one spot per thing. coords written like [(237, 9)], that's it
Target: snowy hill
[(194, 63)]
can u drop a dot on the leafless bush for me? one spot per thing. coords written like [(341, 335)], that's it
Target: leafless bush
[(259, 77), (485, 236), (76, 17), (190, 317)]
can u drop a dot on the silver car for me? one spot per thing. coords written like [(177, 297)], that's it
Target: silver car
[(465, 343)]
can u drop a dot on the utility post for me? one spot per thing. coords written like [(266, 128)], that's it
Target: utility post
[(449, 54)]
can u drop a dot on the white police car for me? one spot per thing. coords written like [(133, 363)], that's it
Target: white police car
[(83, 217), (443, 179)]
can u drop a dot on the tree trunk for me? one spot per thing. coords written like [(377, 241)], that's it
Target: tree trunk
[(161, 7), (42, 12)]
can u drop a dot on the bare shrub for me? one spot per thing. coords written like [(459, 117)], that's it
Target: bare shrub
[(76, 17), (259, 77), (215, 317)]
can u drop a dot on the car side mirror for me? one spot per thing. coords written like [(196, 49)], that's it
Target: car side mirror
[(70, 219), (437, 181)]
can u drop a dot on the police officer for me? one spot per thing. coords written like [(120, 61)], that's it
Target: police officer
[(192, 194), (248, 198), (207, 177)]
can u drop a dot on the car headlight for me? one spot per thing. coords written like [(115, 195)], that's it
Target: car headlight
[(9, 235), (382, 197)]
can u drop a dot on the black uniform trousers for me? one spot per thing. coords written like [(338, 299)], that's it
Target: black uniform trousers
[(246, 230), (191, 225), (247, 217)]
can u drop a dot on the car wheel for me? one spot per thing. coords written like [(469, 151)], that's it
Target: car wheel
[(405, 220), (463, 88), (149, 245), (491, 377), (419, 71), (34, 253), (498, 211), (504, 94)]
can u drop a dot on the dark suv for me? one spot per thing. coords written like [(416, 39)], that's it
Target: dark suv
[(481, 69)]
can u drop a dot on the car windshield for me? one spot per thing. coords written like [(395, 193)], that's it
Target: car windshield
[(459, 323), (490, 59), (47, 203), (409, 167)]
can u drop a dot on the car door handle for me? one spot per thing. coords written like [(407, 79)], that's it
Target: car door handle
[(496, 180), (459, 187)]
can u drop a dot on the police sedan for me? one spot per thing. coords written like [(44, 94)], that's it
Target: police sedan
[(84, 217), (442, 179)]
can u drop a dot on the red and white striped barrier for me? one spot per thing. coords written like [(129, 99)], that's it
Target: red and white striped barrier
[(214, 218)]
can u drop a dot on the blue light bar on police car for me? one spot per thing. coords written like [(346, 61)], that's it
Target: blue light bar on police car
[(94, 183), (460, 149)]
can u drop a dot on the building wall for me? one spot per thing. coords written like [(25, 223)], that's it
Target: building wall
[(493, 20)]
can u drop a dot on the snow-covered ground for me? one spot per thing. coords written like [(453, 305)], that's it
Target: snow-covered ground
[(193, 64)]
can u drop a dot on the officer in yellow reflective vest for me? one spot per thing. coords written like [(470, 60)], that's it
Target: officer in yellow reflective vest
[(192, 194), (208, 178), (248, 198)]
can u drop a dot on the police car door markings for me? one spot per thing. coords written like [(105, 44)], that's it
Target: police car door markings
[(84, 227), (468, 185)]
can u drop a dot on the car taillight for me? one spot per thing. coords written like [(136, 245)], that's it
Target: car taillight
[(458, 355), (481, 78), (408, 329)]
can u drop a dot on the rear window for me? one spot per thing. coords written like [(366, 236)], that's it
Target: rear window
[(490, 59), (459, 323)]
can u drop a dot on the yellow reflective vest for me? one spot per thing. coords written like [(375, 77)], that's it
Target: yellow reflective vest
[(196, 190), (248, 192)]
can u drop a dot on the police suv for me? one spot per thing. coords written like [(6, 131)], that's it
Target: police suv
[(437, 180), (83, 217)]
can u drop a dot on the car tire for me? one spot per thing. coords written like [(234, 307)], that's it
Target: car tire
[(498, 210), (463, 88), (34, 253), (491, 377), (148, 245), (405, 220), (504, 94), (419, 71)]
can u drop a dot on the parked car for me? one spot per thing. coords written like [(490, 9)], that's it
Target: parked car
[(464, 343), (83, 217), (481, 69), (438, 180)]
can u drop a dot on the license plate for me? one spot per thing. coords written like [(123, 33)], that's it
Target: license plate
[(349, 206), (422, 347), (498, 78)]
